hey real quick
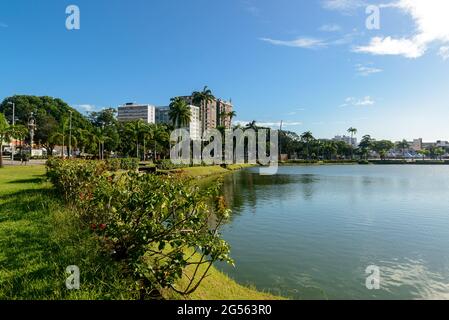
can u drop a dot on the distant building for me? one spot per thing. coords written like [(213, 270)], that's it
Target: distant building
[(214, 114), (416, 144), (442, 144), (348, 140), (162, 115), (133, 112), (194, 127)]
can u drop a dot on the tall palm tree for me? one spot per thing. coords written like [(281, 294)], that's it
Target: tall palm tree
[(134, 129), (180, 112), (4, 135), (307, 138), (83, 138), (202, 99), (100, 137), (232, 115), (353, 132)]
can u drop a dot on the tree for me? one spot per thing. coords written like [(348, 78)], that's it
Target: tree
[(107, 122), (19, 132), (48, 113), (202, 99), (382, 147), (424, 153), (4, 135), (307, 138), (180, 112), (133, 130), (353, 132), (329, 149), (232, 115), (403, 145), (365, 146)]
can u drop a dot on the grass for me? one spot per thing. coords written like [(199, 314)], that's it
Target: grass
[(218, 286), (201, 172), (40, 237)]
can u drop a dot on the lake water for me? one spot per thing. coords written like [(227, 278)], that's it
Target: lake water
[(310, 232)]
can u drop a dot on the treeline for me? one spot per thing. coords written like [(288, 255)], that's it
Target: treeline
[(97, 134), (306, 146)]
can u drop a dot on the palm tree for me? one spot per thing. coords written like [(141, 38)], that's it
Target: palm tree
[(100, 137), (202, 99), (83, 138), (307, 137), (134, 129), (180, 112), (366, 145), (231, 115), (4, 135), (353, 132)]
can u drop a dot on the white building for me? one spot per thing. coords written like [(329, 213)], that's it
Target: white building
[(348, 140), (194, 127), (133, 111)]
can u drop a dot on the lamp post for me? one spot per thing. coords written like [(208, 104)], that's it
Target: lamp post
[(13, 124)]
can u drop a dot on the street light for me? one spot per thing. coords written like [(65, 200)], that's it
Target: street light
[(13, 124)]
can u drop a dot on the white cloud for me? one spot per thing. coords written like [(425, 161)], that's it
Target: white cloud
[(389, 46), (307, 43), (366, 70), (432, 25), (85, 107), (344, 6), (312, 43), (330, 28), (363, 102), (444, 52)]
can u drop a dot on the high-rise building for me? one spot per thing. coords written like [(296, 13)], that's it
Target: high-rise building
[(194, 126), (348, 140), (416, 144), (214, 114), (133, 111)]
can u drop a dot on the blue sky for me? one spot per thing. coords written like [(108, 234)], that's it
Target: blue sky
[(312, 64)]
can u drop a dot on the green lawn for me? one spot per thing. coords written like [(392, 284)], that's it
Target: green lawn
[(40, 237)]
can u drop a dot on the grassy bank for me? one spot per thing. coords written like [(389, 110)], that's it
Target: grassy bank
[(40, 237), (202, 172)]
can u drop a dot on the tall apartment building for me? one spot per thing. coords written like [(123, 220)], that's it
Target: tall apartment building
[(133, 111), (212, 114), (348, 140), (194, 127)]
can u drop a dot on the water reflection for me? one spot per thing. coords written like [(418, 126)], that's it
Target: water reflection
[(310, 232)]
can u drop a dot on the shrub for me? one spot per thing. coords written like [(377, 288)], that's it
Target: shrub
[(114, 164), (157, 225), (129, 164)]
